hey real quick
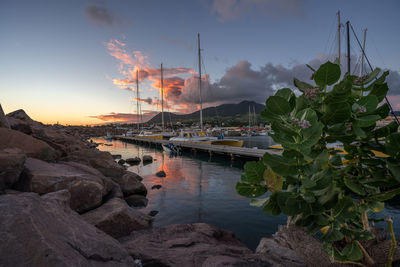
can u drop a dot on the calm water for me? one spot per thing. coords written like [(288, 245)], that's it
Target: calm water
[(200, 189)]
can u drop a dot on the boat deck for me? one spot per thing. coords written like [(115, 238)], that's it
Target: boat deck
[(231, 151)]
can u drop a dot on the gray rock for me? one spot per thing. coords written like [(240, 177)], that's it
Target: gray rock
[(147, 158), (161, 174), (133, 161), (86, 185), (156, 186), (130, 184), (86, 195), (11, 165), (100, 160), (31, 146), (3, 119), (137, 201), (36, 231), (117, 219), (153, 213), (194, 245)]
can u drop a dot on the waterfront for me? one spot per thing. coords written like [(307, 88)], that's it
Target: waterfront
[(198, 188)]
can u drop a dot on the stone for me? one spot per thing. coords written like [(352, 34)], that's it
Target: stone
[(37, 231), (138, 201), (100, 160), (153, 213), (130, 184), (86, 185), (11, 165), (121, 162), (161, 174), (117, 219), (32, 147), (156, 186), (3, 119), (194, 245), (147, 158), (87, 195), (133, 161), (20, 114)]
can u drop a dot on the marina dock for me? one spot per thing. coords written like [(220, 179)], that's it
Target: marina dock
[(230, 151)]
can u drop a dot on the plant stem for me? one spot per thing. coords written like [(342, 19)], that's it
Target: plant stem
[(393, 245), (364, 218), (367, 257)]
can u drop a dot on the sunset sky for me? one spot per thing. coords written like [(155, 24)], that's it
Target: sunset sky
[(75, 62)]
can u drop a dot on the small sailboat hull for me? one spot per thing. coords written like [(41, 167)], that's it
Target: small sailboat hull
[(228, 142)]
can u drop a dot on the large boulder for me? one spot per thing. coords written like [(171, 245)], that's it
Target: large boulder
[(86, 185), (38, 231), (117, 219), (189, 245), (130, 184), (100, 160), (3, 119), (31, 146), (11, 165)]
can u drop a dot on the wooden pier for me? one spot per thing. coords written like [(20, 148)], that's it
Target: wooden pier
[(230, 151)]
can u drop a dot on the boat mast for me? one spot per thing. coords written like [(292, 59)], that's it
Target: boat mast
[(338, 33), (255, 118), (201, 104), (162, 98), (363, 53), (348, 46), (249, 119), (137, 99)]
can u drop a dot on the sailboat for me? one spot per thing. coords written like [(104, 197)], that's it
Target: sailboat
[(201, 137), (143, 134)]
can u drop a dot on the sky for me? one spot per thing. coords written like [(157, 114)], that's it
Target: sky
[(75, 62)]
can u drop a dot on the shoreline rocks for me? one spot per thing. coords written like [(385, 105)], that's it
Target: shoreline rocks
[(39, 231)]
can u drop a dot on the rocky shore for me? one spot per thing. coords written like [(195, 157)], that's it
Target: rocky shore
[(65, 203)]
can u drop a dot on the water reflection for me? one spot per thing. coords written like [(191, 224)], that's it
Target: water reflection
[(200, 188)]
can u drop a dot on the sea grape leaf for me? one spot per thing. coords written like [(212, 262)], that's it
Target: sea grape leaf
[(280, 164), (278, 105), (352, 251), (302, 86), (327, 74), (370, 102), (338, 112), (274, 181), (258, 202), (250, 190), (254, 171), (366, 121), (379, 90), (393, 145), (288, 95)]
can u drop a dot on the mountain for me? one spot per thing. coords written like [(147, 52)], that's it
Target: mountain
[(230, 113)]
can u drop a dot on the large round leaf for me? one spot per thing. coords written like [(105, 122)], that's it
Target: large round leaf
[(278, 105), (327, 74), (370, 102), (288, 95), (338, 112)]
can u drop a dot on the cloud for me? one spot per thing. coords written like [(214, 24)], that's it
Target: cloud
[(99, 16), (125, 117), (234, 9)]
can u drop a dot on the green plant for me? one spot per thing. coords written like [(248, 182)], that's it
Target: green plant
[(336, 167)]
